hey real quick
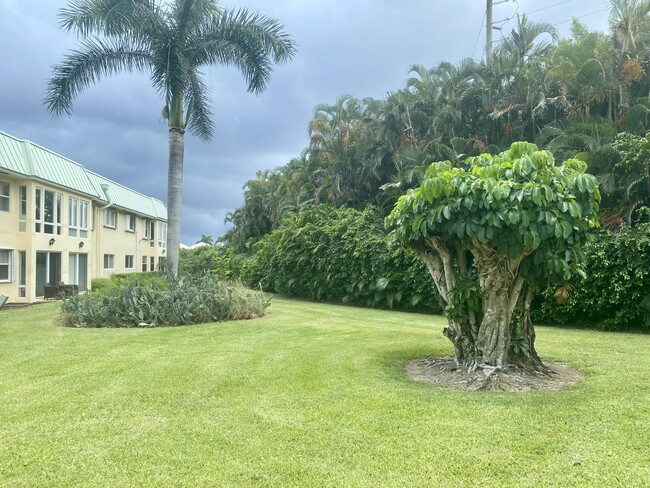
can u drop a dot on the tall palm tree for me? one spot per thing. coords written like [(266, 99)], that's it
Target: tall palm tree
[(171, 40)]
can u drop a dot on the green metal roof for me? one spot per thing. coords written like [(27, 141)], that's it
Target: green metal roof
[(28, 159), (121, 196)]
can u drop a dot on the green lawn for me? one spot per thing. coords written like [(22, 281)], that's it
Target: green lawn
[(311, 395)]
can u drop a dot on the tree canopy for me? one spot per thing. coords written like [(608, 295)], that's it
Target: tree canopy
[(502, 217)]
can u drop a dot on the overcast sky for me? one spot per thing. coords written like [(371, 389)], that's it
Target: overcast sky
[(358, 47)]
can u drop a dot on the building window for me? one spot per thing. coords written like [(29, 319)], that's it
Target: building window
[(128, 262), (6, 264), (59, 212), (22, 274), (129, 222), (4, 196), (83, 219), (77, 217), (152, 263), (38, 217), (148, 231), (144, 263), (110, 218), (22, 215), (162, 234), (73, 217), (48, 212), (109, 261)]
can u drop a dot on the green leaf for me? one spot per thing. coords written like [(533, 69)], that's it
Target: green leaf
[(460, 231), (514, 216)]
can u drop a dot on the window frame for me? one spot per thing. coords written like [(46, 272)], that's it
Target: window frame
[(5, 197), (130, 222), (107, 212), (77, 217), (129, 259), (162, 234), (9, 264), (109, 261), (22, 208)]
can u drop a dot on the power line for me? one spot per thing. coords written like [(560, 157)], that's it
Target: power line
[(581, 16), (546, 8), (479, 34)]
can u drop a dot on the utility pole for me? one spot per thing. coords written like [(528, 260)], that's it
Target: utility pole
[(489, 26), (488, 31)]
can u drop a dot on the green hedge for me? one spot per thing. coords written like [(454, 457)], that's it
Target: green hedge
[(117, 279), (615, 295), (338, 255)]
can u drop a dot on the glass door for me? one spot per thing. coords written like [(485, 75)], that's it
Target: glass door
[(48, 270), (78, 270)]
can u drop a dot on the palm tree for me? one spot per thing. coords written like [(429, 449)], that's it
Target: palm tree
[(628, 19), (171, 40)]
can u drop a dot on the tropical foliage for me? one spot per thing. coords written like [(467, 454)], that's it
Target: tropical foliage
[(570, 96), (584, 97)]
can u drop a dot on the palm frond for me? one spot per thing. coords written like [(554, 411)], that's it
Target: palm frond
[(247, 41), (187, 14), (199, 116), (96, 59), (563, 293), (115, 18)]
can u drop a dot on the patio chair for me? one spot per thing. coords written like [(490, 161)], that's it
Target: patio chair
[(3, 300)]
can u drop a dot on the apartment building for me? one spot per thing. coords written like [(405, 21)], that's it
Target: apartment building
[(60, 222)]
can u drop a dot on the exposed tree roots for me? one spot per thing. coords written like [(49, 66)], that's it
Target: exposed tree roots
[(444, 372)]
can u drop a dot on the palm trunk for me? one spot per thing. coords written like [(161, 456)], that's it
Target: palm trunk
[(174, 195)]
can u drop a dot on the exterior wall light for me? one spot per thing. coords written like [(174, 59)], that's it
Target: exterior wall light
[(52, 241), (81, 244)]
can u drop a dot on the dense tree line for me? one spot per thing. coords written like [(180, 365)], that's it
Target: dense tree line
[(571, 96), (585, 97)]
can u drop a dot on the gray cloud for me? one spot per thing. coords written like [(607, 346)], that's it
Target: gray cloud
[(361, 47)]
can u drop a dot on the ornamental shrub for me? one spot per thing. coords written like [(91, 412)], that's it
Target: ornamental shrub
[(167, 301), (339, 255), (117, 279), (615, 294)]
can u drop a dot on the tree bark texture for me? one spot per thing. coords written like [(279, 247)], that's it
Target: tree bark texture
[(501, 286), (440, 262), (484, 338), (527, 358), (174, 195)]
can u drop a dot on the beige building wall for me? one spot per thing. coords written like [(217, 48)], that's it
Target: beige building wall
[(55, 246)]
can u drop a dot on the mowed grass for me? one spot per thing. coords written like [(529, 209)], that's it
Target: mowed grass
[(310, 395)]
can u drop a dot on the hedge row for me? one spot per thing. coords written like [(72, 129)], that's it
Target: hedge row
[(615, 295), (339, 255)]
